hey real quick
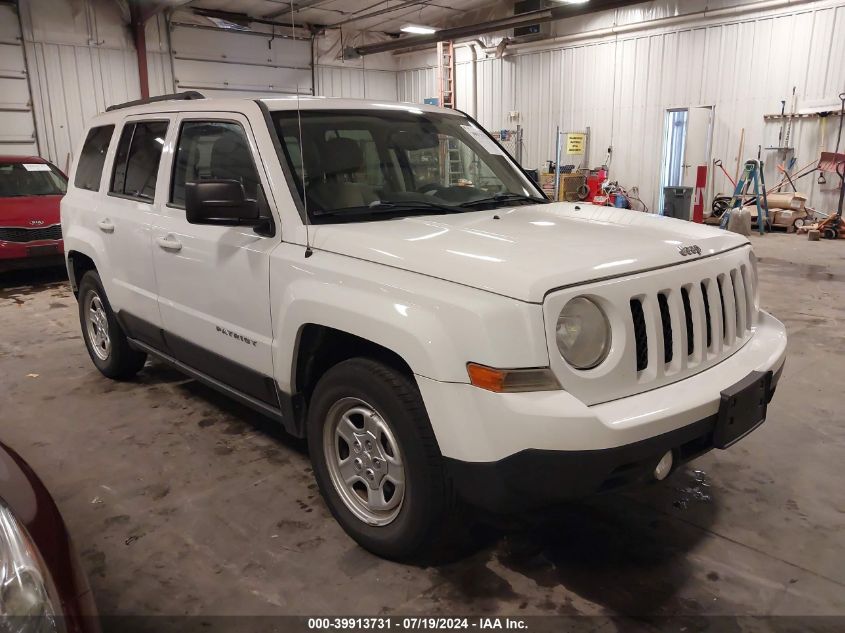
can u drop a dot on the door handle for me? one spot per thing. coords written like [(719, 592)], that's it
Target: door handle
[(169, 243), (106, 226)]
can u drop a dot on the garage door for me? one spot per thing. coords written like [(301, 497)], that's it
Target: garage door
[(239, 63), (17, 129)]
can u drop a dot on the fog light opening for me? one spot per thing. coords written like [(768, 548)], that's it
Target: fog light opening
[(664, 466)]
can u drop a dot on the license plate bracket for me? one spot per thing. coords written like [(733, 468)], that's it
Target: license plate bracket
[(42, 250), (742, 409)]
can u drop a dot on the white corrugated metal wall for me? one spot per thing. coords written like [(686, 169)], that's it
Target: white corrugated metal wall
[(81, 60), (621, 85), (372, 77), (356, 83), (17, 127)]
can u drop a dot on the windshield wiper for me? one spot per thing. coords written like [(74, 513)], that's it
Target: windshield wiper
[(505, 197), (381, 206)]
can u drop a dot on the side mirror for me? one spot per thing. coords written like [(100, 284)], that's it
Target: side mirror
[(220, 202)]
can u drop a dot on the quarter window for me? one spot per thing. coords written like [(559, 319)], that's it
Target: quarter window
[(137, 158), (212, 150), (89, 171)]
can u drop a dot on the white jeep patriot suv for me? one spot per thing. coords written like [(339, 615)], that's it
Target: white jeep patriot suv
[(384, 280)]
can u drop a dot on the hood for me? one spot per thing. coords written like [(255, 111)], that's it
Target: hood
[(23, 211), (529, 250)]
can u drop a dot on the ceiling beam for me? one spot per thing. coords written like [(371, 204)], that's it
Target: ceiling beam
[(372, 14), (297, 6), (532, 17)]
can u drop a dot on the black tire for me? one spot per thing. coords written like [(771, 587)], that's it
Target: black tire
[(428, 511), (121, 361)]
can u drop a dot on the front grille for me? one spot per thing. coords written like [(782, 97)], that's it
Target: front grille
[(698, 321), (23, 235)]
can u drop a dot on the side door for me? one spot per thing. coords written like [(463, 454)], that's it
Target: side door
[(125, 219), (214, 281)]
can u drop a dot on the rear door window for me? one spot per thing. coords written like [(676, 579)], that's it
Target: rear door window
[(137, 158), (89, 171)]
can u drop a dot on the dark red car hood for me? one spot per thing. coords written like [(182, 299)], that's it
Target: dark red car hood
[(22, 211), (25, 495)]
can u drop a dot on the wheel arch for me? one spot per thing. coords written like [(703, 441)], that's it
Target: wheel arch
[(320, 347), (78, 263)]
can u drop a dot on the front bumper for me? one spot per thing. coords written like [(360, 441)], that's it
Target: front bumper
[(507, 451), (534, 477), (22, 255)]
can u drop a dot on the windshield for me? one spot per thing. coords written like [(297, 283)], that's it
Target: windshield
[(30, 179), (353, 165)]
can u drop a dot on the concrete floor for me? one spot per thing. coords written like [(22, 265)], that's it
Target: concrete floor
[(182, 502)]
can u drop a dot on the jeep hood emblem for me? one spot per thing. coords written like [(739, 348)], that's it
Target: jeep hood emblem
[(689, 250)]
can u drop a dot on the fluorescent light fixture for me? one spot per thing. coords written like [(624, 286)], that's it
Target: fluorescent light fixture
[(418, 30), (573, 1)]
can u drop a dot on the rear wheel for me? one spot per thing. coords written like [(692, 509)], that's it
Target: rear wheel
[(377, 462), (106, 342)]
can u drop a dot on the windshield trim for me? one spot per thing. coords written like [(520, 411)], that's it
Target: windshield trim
[(295, 186), (536, 185)]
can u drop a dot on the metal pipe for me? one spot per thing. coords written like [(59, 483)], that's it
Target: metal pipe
[(474, 80), (401, 5), (557, 164), (170, 54), (667, 21), (313, 66), (139, 36), (532, 17), (203, 27)]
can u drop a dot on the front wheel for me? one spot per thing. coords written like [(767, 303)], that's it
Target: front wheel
[(377, 462)]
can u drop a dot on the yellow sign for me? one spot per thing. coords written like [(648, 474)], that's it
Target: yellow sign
[(575, 142)]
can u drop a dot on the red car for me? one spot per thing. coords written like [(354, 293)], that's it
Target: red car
[(42, 586), (30, 228)]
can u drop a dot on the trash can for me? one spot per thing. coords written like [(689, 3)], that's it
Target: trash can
[(677, 202)]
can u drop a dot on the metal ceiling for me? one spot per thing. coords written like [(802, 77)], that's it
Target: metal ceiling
[(387, 16)]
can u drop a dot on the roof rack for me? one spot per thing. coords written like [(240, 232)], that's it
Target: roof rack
[(176, 96)]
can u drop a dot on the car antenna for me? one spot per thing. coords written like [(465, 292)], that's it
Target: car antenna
[(308, 251)]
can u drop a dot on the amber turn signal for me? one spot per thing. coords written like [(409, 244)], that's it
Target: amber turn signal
[(512, 380)]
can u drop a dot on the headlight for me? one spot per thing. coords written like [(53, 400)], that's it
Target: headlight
[(583, 333), (25, 601)]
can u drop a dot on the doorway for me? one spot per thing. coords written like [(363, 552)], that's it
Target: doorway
[(687, 136)]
